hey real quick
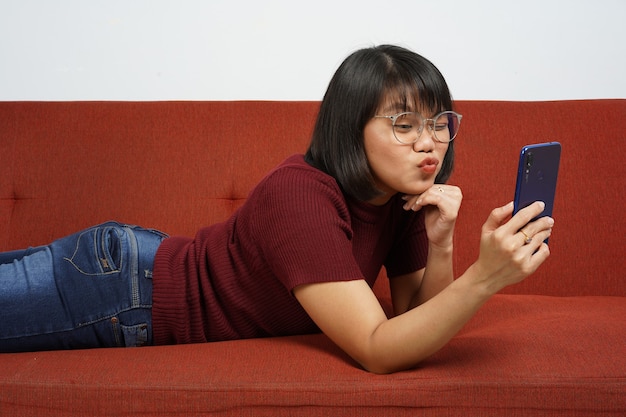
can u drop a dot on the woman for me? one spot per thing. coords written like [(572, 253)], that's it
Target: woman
[(303, 252)]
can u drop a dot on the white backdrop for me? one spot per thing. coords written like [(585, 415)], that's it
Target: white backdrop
[(288, 49)]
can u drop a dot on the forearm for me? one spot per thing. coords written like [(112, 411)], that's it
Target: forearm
[(349, 314), (504, 259), (438, 274), (407, 339)]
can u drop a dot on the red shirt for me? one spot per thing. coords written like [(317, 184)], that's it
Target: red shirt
[(235, 279)]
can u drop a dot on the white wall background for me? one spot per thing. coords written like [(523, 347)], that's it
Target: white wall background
[(288, 49)]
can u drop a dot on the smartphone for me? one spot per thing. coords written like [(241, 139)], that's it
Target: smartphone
[(537, 172)]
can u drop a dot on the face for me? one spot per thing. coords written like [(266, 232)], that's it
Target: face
[(397, 167)]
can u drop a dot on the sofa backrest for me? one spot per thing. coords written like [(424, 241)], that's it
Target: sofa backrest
[(178, 166)]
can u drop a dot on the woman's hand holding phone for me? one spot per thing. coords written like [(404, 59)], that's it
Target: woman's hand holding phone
[(511, 248)]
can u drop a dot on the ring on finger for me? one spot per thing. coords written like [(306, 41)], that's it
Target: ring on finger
[(527, 239)]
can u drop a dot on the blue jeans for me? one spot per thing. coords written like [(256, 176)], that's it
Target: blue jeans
[(90, 289)]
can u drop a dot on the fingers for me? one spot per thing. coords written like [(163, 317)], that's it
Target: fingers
[(510, 252), (519, 230), (527, 243), (434, 196), (535, 230), (530, 244), (525, 215), (533, 254), (498, 217)]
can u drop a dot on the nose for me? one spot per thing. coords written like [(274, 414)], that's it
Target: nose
[(426, 140)]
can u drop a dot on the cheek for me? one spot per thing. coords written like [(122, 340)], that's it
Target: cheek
[(377, 142), (383, 157), (442, 152)]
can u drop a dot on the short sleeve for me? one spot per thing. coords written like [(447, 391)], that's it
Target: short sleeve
[(302, 227)]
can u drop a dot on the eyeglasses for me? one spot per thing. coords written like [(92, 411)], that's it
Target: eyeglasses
[(408, 126)]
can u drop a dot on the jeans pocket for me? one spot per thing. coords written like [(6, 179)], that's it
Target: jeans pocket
[(135, 336), (98, 251)]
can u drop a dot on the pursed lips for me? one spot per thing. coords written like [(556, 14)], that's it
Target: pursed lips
[(429, 165)]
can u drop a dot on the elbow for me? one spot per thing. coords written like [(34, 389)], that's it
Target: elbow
[(378, 370), (386, 364), (374, 362), (381, 368), (382, 358)]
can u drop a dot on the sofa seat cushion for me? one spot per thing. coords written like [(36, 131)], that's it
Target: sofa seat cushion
[(540, 355)]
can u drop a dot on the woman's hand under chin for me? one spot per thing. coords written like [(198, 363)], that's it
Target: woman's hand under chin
[(441, 203)]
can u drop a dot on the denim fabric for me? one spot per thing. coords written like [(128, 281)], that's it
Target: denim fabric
[(90, 289)]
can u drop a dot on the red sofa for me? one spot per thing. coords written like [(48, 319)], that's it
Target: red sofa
[(552, 345)]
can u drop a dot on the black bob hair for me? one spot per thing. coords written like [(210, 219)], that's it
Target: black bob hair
[(354, 95)]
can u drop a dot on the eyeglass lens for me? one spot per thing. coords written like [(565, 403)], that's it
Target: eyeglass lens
[(407, 127)]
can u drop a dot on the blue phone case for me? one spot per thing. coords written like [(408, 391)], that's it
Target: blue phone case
[(537, 173)]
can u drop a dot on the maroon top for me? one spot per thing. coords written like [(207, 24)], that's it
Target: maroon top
[(235, 279)]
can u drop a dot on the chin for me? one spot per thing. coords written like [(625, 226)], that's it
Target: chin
[(421, 186)]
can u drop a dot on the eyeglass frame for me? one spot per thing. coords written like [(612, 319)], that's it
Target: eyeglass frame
[(425, 121)]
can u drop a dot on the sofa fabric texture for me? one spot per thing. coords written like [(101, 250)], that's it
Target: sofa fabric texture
[(554, 344)]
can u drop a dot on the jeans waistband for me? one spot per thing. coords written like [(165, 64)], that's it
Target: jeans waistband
[(144, 243), (148, 241)]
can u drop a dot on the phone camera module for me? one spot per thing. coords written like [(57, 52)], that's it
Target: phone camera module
[(529, 163)]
